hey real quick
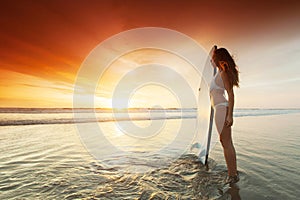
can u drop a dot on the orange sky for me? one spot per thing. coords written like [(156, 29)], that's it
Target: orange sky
[(44, 42)]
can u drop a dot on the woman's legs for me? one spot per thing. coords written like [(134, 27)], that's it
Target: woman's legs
[(229, 151), (226, 139)]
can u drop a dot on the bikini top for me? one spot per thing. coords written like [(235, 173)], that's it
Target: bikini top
[(213, 84)]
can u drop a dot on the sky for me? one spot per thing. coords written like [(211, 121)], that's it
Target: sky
[(44, 43)]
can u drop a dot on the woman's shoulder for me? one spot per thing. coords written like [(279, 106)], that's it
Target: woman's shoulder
[(226, 79), (224, 75)]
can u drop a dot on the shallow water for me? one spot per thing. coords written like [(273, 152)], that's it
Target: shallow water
[(41, 162), (50, 162), (268, 154)]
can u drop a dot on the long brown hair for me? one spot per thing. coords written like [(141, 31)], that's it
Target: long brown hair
[(230, 67)]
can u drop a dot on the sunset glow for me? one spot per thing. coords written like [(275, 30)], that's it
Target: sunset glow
[(43, 44)]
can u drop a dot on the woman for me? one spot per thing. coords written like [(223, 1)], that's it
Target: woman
[(225, 79)]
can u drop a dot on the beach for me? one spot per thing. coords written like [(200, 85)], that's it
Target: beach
[(117, 100), (49, 161)]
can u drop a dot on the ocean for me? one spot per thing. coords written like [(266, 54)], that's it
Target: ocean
[(44, 157)]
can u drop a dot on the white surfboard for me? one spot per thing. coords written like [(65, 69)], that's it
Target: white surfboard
[(205, 113)]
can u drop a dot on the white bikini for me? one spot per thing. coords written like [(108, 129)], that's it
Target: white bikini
[(217, 92)]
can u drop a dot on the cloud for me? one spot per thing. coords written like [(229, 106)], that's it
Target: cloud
[(33, 90)]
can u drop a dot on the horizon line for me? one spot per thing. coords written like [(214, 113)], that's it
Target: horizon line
[(108, 108)]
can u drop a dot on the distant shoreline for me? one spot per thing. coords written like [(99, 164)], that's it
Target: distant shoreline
[(32, 116), (108, 110), (71, 110)]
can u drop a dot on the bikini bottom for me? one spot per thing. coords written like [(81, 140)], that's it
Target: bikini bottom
[(221, 104), (220, 111)]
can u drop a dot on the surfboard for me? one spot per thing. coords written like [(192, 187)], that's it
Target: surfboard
[(205, 113)]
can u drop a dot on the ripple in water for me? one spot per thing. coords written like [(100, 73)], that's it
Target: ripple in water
[(185, 178), (39, 162)]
